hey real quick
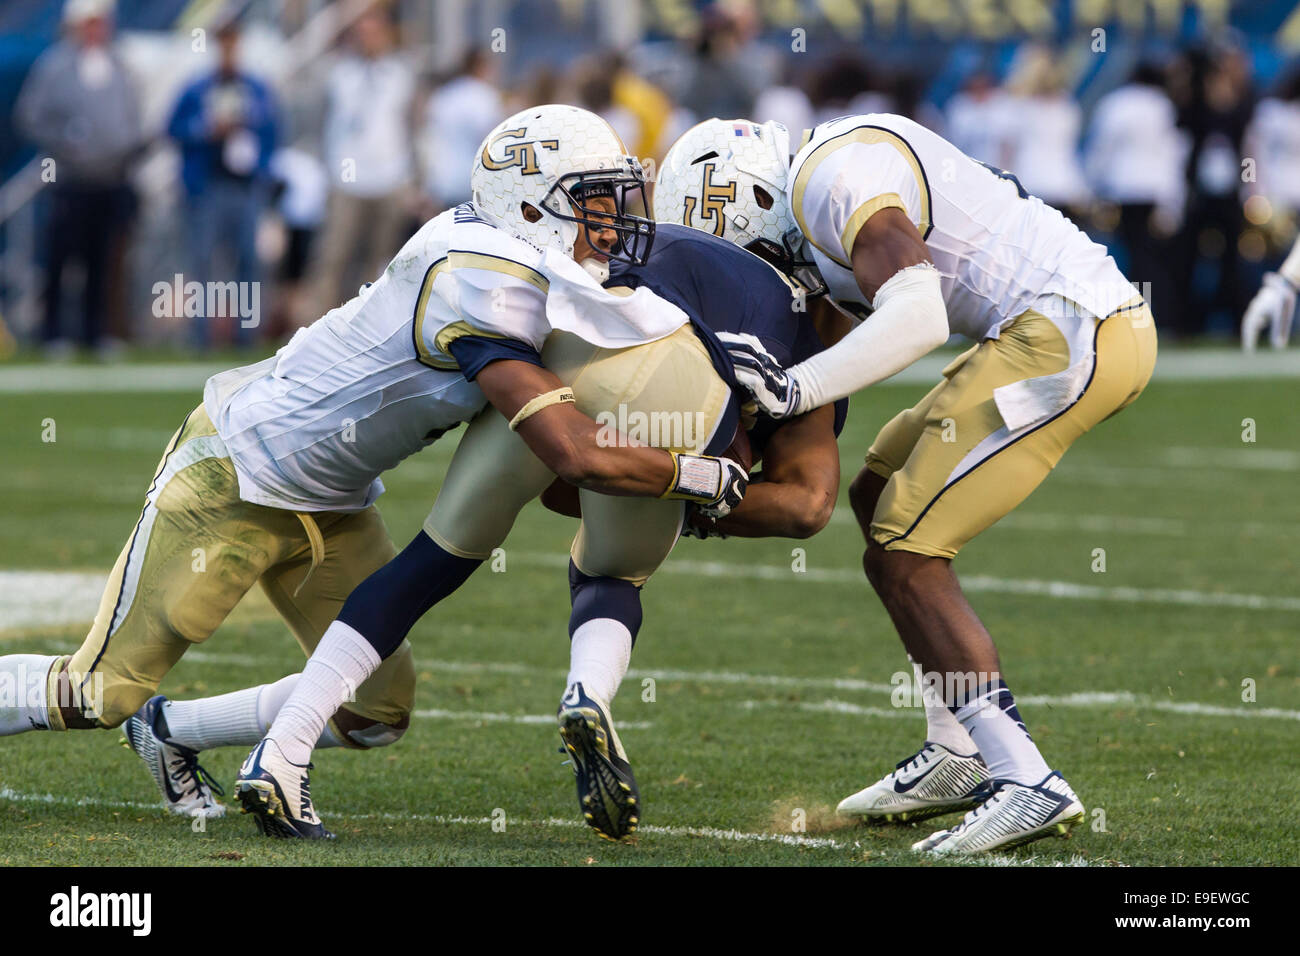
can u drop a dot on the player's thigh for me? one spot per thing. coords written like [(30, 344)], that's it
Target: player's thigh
[(492, 475), (968, 469), (195, 551), (894, 442), (309, 599), (626, 538), (927, 505)]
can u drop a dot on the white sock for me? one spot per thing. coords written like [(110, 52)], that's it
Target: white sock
[(228, 720), (598, 657), (941, 727), (24, 681), (994, 723), (341, 663)]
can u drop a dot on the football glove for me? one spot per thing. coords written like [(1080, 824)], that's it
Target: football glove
[(1272, 308), (716, 485), (697, 525), (774, 389)]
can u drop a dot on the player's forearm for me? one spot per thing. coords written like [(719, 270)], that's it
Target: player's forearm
[(581, 459), (909, 321), (778, 510)]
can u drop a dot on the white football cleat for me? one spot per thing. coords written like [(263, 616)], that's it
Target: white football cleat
[(278, 794), (932, 781), (187, 789), (1015, 814)]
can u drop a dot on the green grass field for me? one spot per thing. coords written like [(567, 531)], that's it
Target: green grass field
[(770, 687)]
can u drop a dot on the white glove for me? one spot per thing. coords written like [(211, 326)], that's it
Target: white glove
[(774, 389), (715, 485), (1273, 308)]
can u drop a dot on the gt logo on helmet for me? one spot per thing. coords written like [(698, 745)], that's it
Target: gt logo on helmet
[(517, 154), (712, 199)]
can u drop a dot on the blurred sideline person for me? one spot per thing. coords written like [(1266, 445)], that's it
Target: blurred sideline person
[(459, 114), (79, 106), (919, 241), (1273, 306), (1045, 122), (369, 157), (273, 477), (226, 126), (1135, 159)]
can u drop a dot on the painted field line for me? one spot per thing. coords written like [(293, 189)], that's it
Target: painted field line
[(1187, 365), (971, 583), (1088, 700), (494, 718), (558, 823), (1084, 699)]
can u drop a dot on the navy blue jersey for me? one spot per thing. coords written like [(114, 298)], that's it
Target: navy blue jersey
[(723, 288)]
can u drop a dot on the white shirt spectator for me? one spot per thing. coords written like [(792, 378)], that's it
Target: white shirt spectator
[(1273, 139), (457, 118), (1136, 151), (787, 105), (367, 127), (1044, 148), (306, 187), (980, 126)]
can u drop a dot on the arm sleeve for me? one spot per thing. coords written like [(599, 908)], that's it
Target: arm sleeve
[(835, 193), (909, 320)]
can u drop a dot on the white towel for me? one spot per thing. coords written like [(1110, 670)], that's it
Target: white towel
[(576, 303)]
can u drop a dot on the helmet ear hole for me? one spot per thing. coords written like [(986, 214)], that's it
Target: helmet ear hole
[(530, 212), (763, 197)]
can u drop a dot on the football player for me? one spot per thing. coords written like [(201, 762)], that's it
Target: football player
[(620, 544), (273, 477), (918, 241), (1273, 306)]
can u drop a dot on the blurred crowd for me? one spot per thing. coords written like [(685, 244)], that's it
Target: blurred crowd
[(1187, 170)]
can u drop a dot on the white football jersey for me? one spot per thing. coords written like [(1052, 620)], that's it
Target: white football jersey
[(998, 250), (372, 381)]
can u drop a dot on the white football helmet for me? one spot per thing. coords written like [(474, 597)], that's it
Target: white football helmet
[(555, 158), (729, 177)]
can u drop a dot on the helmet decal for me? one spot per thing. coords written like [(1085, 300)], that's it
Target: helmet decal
[(517, 154)]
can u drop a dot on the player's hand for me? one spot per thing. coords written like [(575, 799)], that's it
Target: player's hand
[(716, 485), (698, 525), (774, 389), (1273, 308)]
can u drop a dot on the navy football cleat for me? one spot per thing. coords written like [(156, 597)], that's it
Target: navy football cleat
[(607, 793), (278, 795), (187, 789)]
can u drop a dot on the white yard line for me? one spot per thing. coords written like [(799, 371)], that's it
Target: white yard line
[(559, 823), (970, 583), (32, 600), (1188, 365), (494, 718)]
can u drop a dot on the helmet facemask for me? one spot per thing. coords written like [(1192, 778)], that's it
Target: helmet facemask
[(569, 197)]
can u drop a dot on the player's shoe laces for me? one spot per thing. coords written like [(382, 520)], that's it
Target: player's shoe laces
[(607, 792), (1015, 814), (187, 788), (932, 781), (278, 794)]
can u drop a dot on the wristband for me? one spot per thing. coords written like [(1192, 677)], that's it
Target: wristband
[(535, 405)]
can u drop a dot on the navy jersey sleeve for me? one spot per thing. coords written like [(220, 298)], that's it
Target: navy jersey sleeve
[(473, 352)]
